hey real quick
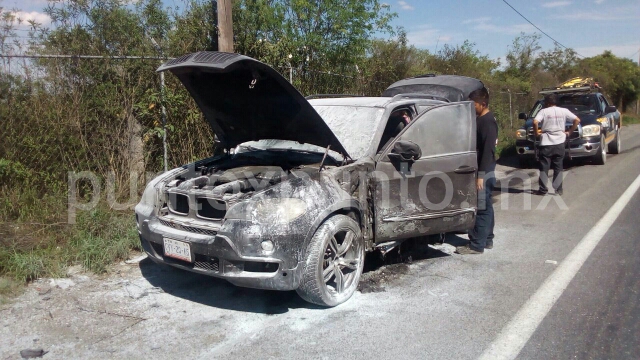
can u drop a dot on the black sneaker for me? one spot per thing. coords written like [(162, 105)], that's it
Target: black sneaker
[(538, 192), (466, 250), (489, 246), (559, 192)]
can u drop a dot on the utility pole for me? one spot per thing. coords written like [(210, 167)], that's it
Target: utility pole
[(225, 26)]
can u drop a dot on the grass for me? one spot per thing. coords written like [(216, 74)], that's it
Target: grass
[(99, 238), (628, 119), (506, 143)]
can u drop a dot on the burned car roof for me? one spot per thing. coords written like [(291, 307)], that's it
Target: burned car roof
[(244, 100), (450, 87)]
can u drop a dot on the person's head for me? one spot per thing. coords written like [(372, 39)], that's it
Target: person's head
[(480, 97), (550, 100), (401, 115)]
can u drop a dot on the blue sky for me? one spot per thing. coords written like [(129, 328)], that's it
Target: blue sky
[(587, 26)]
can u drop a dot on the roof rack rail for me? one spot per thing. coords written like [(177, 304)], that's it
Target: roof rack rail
[(328, 96), (424, 75), (546, 91), (418, 96)]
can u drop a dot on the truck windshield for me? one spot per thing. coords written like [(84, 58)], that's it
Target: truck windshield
[(576, 103), (580, 104)]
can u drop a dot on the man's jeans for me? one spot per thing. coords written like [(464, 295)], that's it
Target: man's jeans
[(551, 156), (482, 233)]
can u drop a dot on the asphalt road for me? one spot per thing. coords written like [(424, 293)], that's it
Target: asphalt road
[(440, 306)]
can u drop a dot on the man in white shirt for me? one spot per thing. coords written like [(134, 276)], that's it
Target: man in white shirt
[(552, 120)]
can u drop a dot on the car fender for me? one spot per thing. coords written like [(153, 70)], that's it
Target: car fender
[(342, 205)]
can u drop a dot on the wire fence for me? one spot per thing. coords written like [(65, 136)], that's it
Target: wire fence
[(104, 114)]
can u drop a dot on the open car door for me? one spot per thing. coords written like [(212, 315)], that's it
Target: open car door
[(435, 192)]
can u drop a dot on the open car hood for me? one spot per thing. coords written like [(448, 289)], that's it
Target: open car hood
[(244, 100), (451, 88)]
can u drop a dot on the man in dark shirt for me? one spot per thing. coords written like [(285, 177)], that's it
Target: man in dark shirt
[(481, 237)]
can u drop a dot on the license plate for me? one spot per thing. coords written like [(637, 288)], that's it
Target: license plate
[(177, 249)]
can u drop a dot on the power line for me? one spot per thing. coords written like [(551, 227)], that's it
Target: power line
[(24, 56), (534, 25)]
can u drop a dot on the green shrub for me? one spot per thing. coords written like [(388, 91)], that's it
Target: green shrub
[(628, 119), (101, 237), (13, 172)]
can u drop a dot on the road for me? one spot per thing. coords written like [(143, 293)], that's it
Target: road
[(439, 306)]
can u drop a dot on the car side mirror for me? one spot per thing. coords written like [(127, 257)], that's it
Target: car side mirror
[(522, 116), (610, 109), (403, 154), (405, 151)]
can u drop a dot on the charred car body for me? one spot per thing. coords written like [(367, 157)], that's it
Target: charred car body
[(305, 187), (597, 134)]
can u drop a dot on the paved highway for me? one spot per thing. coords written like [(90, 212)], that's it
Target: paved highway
[(440, 306)]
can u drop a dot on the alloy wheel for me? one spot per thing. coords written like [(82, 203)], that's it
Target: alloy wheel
[(342, 258)]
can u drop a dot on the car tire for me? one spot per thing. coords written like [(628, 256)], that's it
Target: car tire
[(336, 245), (615, 147), (601, 157)]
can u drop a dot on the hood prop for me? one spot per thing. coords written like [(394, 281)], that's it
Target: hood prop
[(324, 157)]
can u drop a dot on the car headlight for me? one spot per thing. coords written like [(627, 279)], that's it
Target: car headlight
[(149, 195), (590, 130), (272, 210), (521, 134)]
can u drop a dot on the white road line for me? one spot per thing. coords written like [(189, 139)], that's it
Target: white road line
[(519, 330)]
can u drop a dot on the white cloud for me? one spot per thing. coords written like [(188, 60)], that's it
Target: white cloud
[(24, 6), (404, 5), (599, 2), (477, 20), (594, 16), (586, 16), (555, 4), (618, 50), (425, 36), (23, 18), (611, 13), (484, 24)]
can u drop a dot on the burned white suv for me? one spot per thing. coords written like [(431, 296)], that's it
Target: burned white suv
[(305, 187)]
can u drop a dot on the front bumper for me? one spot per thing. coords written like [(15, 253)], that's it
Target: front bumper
[(216, 254), (579, 148)]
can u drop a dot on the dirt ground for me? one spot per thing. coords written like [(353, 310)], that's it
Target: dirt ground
[(141, 309)]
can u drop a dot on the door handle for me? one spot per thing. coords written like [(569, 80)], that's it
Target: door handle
[(465, 170)]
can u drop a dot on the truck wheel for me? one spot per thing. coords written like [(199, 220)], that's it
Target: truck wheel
[(334, 262), (615, 147), (601, 157)]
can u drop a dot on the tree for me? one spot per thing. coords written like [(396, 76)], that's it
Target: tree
[(521, 62), (388, 61), (314, 37), (619, 77), (561, 63), (463, 60)]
